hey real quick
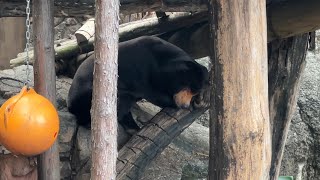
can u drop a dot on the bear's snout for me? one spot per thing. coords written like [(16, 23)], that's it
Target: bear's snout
[(183, 98)]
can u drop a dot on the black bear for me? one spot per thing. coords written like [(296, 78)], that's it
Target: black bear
[(149, 68)]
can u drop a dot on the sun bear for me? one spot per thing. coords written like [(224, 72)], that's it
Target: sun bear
[(149, 68)]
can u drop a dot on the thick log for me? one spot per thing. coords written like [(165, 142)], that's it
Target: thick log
[(151, 140), (45, 79), (293, 17), (286, 64), (64, 50), (285, 19), (240, 142), (85, 32), (104, 124)]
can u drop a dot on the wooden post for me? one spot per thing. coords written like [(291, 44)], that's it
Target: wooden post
[(104, 102), (240, 141), (45, 78), (287, 59)]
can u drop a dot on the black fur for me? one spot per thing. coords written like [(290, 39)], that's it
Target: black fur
[(149, 68)]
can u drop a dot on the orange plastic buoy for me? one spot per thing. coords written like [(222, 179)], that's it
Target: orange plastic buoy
[(29, 123)]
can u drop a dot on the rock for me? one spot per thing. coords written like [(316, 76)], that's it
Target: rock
[(194, 140), (205, 61), (12, 167), (85, 176), (65, 28), (63, 85), (65, 170), (195, 171), (186, 157), (2, 101), (204, 119), (11, 87), (8, 87), (68, 127), (82, 150)]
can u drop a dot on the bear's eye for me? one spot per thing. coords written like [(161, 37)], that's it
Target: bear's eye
[(196, 88)]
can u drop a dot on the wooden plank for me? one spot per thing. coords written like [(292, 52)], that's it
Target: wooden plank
[(45, 78), (240, 143), (293, 17), (104, 124), (152, 139)]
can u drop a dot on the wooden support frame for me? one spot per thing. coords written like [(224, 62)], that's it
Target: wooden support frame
[(45, 78), (287, 59), (240, 141), (104, 102)]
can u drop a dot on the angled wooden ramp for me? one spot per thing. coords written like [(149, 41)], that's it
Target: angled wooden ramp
[(143, 147)]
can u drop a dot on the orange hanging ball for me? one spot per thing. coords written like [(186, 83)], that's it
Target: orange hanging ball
[(29, 123)]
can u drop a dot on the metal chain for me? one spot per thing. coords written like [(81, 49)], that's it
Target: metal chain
[(28, 42)]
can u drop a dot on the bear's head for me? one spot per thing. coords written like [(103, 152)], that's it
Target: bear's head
[(182, 81)]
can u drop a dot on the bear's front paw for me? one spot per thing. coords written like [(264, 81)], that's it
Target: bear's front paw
[(202, 100)]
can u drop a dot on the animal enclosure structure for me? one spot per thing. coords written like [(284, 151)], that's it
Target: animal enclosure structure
[(258, 50)]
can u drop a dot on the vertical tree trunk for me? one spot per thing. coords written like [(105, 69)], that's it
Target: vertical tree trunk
[(45, 78), (104, 102), (286, 64), (240, 143)]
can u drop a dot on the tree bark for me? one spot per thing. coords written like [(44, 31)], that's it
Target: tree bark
[(240, 143), (104, 102), (45, 78), (286, 63)]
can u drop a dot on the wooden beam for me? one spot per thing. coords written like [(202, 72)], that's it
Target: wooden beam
[(286, 18), (45, 78), (287, 59), (104, 102), (143, 147), (240, 143), (293, 17)]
